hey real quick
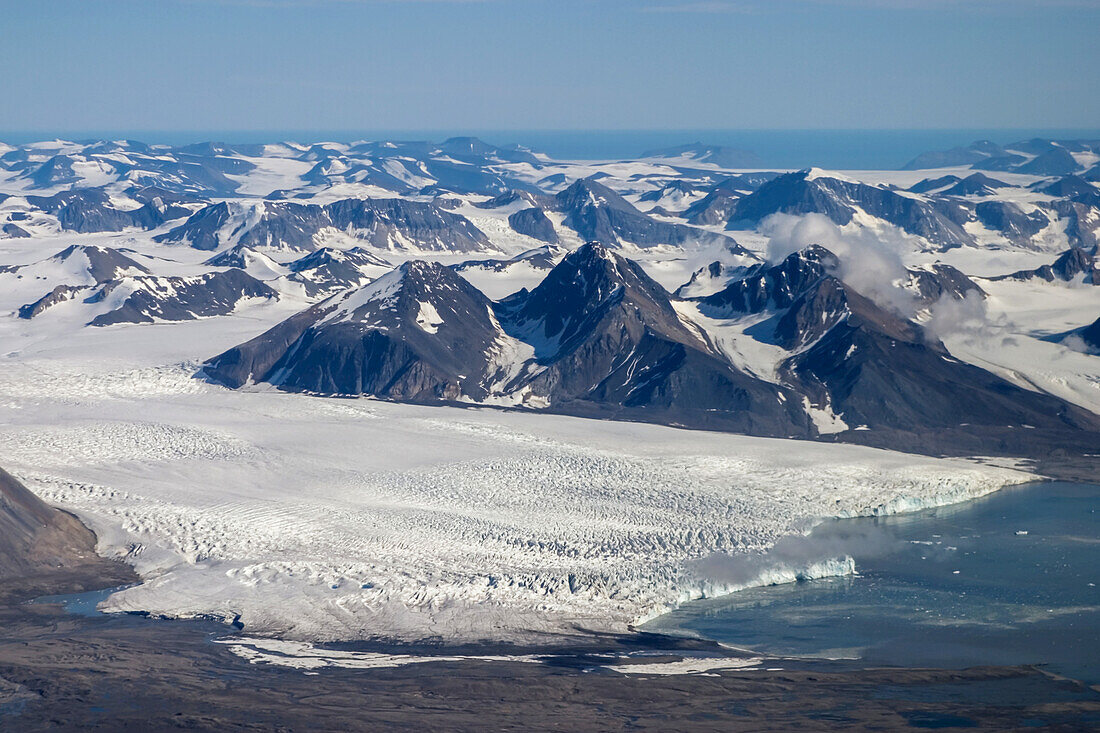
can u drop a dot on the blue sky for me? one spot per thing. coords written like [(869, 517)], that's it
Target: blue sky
[(535, 64)]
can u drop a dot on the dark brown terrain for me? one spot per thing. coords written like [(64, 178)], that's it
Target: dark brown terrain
[(60, 671)]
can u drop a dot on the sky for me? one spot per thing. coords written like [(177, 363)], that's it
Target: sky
[(548, 64)]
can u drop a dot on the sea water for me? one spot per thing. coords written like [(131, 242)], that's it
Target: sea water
[(1013, 578), (833, 149)]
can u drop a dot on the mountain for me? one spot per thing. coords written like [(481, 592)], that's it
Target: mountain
[(599, 214), (1035, 157), (45, 550), (1011, 221), (86, 210), (390, 224), (814, 192), (79, 264), (1073, 264), (419, 333), (976, 184), (723, 157), (534, 223), (886, 374), (597, 336), (148, 298), (709, 280), (539, 258), (1090, 334), (243, 257), (961, 156), (931, 283), (328, 270)]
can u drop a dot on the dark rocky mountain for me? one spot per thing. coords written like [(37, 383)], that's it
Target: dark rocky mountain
[(710, 279), (1011, 221), (380, 223), (86, 210), (147, 299), (767, 287), (605, 340), (598, 337), (240, 256), (59, 294), (770, 287), (420, 333), (927, 185), (46, 550), (721, 156), (973, 153), (878, 370), (1036, 156), (1074, 189), (84, 262), (606, 336), (328, 270), (540, 258), (676, 189), (939, 221), (976, 184), (1074, 263), (933, 283), (1090, 334), (599, 214), (14, 231), (534, 223), (1056, 161)]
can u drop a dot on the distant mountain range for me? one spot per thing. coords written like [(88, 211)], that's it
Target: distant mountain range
[(599, 337)]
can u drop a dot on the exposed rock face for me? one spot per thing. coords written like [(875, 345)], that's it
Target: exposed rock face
[(58, 295), (1090, 334), (976, 184), (535, 224), (419, 333), (147, 299), (598, 214), (14, 231), (45, 550), (87, 210), (84, 264), (596, 335), (1073, 263), (886, 373), (329, 270), (932, 283), (777, 286), (939, 221), (723, 157), (393, 224), (540, 258), (1010, 220)]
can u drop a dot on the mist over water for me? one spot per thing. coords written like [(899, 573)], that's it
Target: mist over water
[(1013, 578)]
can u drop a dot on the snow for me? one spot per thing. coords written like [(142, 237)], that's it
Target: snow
[(320, 519), (428, 318)]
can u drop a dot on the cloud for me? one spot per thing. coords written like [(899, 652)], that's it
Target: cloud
[(828, 541), (871, 262)]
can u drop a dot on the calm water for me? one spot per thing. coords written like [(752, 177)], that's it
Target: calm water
[(837, 149), (949, 587)]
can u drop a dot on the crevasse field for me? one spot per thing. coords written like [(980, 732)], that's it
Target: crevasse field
[(329, 519)]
